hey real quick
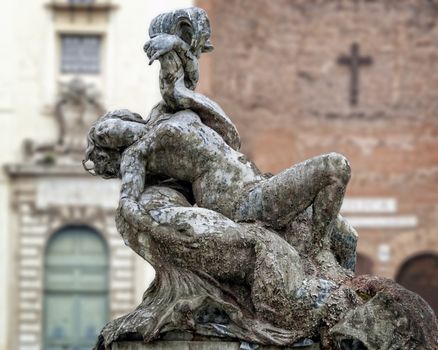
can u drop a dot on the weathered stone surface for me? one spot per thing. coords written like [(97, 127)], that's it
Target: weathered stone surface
[(238, 254), (199, 345)]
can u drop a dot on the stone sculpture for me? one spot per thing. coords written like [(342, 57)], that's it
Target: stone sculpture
[(238, 254)]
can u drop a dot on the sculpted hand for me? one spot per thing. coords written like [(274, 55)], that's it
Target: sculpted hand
[(133, 213), (163, 44)]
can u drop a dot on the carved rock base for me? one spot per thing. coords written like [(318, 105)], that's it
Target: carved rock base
[(198, 345)]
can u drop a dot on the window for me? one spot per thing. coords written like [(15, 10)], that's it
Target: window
[(75, 289), (81, 2), (80, 54)]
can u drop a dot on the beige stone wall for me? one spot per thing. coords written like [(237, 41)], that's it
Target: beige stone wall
[(275, 72)]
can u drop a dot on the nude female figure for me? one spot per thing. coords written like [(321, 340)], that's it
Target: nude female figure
[(182, 147), (177, 39), (289, 303), (188, 137)]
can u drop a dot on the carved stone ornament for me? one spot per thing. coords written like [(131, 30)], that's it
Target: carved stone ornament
[(77, 107), (238, 255)]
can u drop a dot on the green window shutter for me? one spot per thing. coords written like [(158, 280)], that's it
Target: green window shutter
[(76, 289)]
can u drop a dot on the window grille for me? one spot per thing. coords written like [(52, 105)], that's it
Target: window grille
[(81, 2), (80, 54)]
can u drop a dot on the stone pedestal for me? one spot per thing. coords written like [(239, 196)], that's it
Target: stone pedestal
[(200, 345)]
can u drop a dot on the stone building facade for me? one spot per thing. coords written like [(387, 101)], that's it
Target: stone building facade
[(46, 202), (301, 78)]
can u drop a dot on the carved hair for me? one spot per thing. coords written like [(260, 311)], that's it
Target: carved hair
[(106, 161), (189, 24)]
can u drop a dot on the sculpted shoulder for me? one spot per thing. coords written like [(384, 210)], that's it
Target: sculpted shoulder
[(184, 118), (185, 121)]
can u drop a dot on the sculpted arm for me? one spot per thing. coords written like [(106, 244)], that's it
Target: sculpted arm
[(164, 43), (209, 111), (133, 172), (178, 78)]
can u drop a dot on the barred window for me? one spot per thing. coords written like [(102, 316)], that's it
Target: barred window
[(80, 54), (81, 2)]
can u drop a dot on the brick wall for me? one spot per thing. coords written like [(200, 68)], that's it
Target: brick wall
[(275, 71)]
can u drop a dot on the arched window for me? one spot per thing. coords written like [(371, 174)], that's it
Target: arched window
[(364, 265), (420, 275), (76, 289)]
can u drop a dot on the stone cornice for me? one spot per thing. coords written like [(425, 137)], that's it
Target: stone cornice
[(104, 6), (24, 170)]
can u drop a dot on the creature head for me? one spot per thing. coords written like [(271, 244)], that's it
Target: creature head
[(108, 137), (191, 25)]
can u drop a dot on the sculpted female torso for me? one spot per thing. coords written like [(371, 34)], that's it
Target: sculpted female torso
[(184, 148)]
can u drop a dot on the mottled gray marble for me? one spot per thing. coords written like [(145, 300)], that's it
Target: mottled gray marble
[(238, 254), (200, 345)]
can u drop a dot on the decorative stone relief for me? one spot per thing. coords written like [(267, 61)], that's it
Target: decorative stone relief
[(77, 107)]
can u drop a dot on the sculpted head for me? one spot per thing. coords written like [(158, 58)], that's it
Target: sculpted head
[(108, 137), (191, 25)]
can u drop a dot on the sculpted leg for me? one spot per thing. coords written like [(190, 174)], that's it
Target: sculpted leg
[(328, 201), (281, 286), (278, 275), (320, 181)]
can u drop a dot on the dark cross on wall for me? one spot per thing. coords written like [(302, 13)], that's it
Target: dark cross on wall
[(354, 62)]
